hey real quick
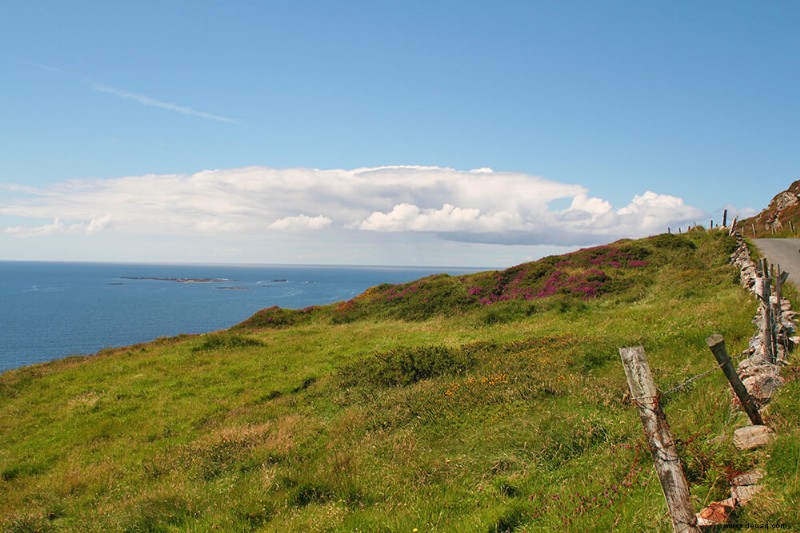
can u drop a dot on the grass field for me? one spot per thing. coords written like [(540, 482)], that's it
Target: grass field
[(488, 402)]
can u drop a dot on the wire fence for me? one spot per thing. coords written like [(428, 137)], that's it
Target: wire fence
[(769, 346)]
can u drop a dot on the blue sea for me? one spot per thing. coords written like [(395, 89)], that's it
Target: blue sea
[(52, 310)]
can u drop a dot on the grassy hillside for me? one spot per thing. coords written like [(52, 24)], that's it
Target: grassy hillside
[(488, 402)]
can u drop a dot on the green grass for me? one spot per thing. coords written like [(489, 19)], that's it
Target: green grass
[(491, 402)]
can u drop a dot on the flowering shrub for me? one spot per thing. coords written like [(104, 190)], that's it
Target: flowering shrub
[(400, 291), (344, 307), (584, 274)]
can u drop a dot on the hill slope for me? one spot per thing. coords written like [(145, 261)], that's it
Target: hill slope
[(488, 402), (781, 218)]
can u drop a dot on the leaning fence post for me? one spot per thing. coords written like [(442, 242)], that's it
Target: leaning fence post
[(659, 439), (717, 345)]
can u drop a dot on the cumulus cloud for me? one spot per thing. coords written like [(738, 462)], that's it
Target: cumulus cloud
[(301, 222), (407, 217), (480, 205)]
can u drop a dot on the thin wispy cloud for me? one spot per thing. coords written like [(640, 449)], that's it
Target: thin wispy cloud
[(149, 101), (139, 98)]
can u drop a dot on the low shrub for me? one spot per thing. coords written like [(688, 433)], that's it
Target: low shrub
[(224, 341), (405, 366), (310, 492)]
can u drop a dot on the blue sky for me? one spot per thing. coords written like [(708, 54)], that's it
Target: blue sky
[(364, 131)]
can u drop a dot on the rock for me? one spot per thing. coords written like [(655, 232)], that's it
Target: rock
[(745, 486), (782, 201), (716, 513), (754, 346), (748, 478), (745, 368), (744, 494), (750, 437), (763, 383)]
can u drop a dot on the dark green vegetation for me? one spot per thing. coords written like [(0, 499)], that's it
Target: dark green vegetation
[(489, 402)]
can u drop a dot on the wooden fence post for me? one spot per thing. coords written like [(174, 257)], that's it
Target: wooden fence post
[(725, 218), (767, 337), (717, 345), (659, 439), (780, 279)]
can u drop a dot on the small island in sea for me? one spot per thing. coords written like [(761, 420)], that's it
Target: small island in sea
[(179, 280)]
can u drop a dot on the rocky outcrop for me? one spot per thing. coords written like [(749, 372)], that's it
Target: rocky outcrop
[(781, 215)]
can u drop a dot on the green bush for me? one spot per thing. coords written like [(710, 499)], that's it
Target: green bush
[(405, 366), (224, 341), (309, 492)]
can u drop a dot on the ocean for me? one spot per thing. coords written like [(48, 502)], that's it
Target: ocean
[(53, 310)]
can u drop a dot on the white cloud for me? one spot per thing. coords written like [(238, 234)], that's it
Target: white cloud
[(407, 217), (740, 212), (57, 227), (98, 224), (301, 222), (585, 204), (480, 205)]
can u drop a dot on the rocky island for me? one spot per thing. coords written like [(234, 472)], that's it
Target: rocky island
[(178, 280)]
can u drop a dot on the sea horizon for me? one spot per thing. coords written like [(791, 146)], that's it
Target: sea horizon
[(256, 265)]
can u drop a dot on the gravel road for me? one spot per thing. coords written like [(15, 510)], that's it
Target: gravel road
[(783, 252)]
